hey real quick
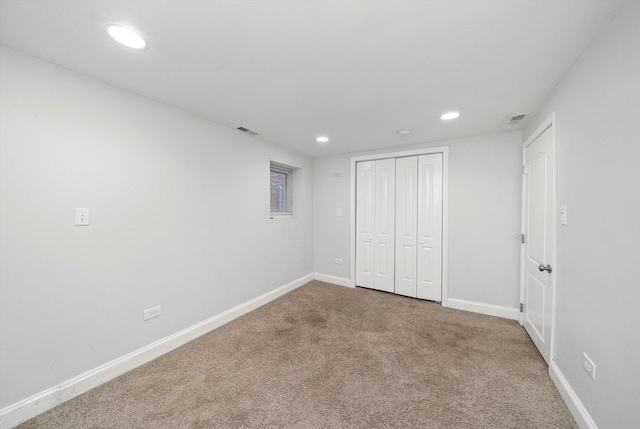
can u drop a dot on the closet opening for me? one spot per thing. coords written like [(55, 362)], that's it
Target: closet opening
[(399, 223)]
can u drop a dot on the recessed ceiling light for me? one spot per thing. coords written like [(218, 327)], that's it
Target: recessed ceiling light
[(126, 36), (322, 139), (450, 115), (404, 132)]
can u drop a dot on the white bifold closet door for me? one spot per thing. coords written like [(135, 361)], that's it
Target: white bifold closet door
[(375, 225), (429, 277), (406, 225), (412, 217)]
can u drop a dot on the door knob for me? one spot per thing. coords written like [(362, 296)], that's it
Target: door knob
[(545, 268)]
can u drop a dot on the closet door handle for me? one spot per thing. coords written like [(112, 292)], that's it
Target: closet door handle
[(545, 268)]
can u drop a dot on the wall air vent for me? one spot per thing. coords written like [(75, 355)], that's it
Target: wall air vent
[(247, 130), (517, 119)]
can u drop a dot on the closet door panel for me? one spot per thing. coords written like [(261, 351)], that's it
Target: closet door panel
[(384, 229), (429, 282), (365, 200), (406, 225)]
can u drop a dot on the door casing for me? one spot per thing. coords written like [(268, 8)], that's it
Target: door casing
[(549, 122), (445, 205)]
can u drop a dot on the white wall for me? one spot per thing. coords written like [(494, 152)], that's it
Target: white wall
[(179, 218), (484, 216), (598, 112)]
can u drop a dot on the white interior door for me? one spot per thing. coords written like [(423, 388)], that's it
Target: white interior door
[(375, 224), (429, 276), (538, 222), (365, 183), (399, 225), (384, 224), (406, 225)]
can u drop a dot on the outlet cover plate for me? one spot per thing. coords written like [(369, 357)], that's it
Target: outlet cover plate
[(589, 366), (150, 313)]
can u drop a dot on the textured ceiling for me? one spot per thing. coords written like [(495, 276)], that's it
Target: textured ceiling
[(357, 71)]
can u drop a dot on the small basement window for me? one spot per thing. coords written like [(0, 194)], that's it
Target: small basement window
[(280, 190)]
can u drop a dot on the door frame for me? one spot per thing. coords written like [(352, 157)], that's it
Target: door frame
[(444, 150), (549, 122)]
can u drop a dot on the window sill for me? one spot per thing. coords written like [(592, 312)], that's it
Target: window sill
[(281, 216)]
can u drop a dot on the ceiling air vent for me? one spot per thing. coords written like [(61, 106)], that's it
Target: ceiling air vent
[(517, 119), (247, 130)]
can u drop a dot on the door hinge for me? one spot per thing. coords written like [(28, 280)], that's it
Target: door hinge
[(525, 169), (521, 308), (522, 237)]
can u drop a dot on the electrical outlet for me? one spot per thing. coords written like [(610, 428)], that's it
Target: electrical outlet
[(338, 261), (589, 366), (150, 313)]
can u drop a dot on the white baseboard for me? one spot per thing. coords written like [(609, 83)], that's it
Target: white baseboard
[(578, 411), (478, 307), (340, 281), (28, 408)]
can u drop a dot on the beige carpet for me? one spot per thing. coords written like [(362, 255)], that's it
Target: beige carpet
[(326, 356)]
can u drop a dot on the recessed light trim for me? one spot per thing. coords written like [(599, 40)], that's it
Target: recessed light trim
[(126, 36), (322, 139), (404, 132), (450, 115)]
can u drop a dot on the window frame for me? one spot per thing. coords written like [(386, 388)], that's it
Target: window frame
[(288, 171)]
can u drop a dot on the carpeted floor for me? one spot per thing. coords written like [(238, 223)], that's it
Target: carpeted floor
[(326, 356)]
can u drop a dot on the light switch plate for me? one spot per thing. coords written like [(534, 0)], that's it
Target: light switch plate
[(82, 217), (338, 212), (563, 215)]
